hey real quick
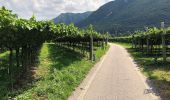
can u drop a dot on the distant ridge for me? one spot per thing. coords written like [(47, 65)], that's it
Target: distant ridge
[(68, 18)]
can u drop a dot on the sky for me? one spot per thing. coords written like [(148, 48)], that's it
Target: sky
[(49, 9)]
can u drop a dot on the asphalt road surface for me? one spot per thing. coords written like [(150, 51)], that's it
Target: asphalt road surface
[(114, 77)]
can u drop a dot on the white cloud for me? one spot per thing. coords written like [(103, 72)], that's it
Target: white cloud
[(48, 9)]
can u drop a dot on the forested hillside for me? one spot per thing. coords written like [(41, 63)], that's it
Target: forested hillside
[(128, 15)]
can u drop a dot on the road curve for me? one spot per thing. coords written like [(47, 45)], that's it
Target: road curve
[(115, 77)]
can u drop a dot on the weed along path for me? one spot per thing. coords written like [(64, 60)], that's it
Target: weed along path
[(114, 77)]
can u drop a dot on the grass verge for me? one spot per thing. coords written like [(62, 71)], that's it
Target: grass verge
[(158, 73), (60, 71)]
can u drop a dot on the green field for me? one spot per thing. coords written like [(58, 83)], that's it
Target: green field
[(60, 70), (158, 73)]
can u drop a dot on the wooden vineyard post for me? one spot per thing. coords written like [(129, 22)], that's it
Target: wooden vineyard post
[(156, 52), (91, 48), (107, 38), (10, 68), (147, 41), (106, 41), (133, 41), (163, 41)]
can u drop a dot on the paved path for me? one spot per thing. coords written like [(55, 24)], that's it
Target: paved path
[(115, 77)]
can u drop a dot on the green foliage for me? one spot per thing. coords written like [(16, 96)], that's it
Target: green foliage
[(153, 34), (22, 39), (22, 32)]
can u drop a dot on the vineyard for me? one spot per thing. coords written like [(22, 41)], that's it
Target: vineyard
[(21, 41), (153, 42)]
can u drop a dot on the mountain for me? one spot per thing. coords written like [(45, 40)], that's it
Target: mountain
[(71, 17), (129, 15)]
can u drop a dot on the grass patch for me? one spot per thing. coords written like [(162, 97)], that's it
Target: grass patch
[(60, 71), (158, 73)]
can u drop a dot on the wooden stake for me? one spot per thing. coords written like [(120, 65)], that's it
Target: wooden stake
[(163, 41), (91, 48)]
